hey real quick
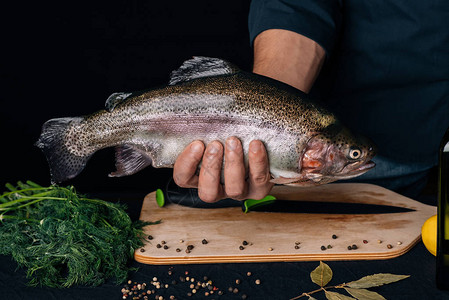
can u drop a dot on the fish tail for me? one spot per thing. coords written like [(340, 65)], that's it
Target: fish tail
[(64, 164)]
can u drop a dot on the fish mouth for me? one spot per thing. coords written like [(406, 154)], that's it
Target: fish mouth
[(363, 168)]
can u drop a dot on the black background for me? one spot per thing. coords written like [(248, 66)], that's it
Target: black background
[(64, 59)]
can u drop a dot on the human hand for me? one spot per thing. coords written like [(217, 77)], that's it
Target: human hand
[(236, 186)]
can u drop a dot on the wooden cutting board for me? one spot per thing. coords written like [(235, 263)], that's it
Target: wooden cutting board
[(273, 236)]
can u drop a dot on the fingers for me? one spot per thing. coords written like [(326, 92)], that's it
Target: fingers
[(236, 186), (259, 184), (234, 170), (184, 170), (209, 185)]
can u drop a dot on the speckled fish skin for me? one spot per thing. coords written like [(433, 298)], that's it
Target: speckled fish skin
[(209, 99)]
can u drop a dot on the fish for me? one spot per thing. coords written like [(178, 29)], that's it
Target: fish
[(210, 99)]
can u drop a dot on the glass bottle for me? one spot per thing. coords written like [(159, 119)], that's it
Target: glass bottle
[(442, 267)]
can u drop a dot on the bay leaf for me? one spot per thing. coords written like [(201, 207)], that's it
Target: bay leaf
[(337, 296), (321, 275), (376, 280), (364, 294)]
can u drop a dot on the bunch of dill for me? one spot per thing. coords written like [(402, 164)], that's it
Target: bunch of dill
[(65, 239)]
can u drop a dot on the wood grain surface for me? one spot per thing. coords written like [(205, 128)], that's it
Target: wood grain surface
[(273, 236)]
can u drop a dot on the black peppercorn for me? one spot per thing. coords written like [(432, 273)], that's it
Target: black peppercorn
[(142, 250), (354, 247), (204, 241), (334, 236), (244, 243), (190, 247), (349, 248), (158, 246), (323, 248), (296, 247), (178, 250), (165, 247), (241, 247), (150, 237)]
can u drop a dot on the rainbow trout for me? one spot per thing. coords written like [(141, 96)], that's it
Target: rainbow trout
[(210, 99)]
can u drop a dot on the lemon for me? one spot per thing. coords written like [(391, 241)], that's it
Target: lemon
[(429, 234)]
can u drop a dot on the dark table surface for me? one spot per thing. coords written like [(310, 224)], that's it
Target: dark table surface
[(278, 280)]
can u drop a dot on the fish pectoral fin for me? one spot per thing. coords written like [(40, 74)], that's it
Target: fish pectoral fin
[(130, 159), (115, 99), (283, 180), (200, 66)]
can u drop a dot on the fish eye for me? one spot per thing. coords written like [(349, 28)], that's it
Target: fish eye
[(355, 153)]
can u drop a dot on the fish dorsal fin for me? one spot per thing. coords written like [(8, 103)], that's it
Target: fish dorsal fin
[(200, 66), (115, 99)]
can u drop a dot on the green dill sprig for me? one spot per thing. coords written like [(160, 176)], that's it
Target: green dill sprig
[(65, 239)]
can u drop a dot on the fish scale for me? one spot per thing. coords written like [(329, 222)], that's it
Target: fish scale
[(153, 127)]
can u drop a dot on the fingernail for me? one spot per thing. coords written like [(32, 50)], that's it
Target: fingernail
[(212, 149), (255, 147), (231, 144), (196, 147)]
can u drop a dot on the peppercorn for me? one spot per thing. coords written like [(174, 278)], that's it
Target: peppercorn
[(349, 248), (158, 246), (178, 250), (248, 274), (389, 246), (257, 281), (237, 281), (235, 290), (230, 289), (244, 243), (244, 296), (270, 249), (150, 237), (204, 241), (189, 294), (142, 250), (165, 247), (297, 243), (241, 247), (365, 241), (329, 246), (190, 247), (399, 243), (354, 247), (334, 236), (220, 293), (296, 247), (323, 248), (163, 242)]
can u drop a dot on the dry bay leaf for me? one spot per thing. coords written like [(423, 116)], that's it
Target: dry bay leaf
[(364, 294), (321, 275), (336, 296), (376, 280)]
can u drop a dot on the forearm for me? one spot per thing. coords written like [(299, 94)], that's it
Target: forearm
[(288, 57)]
